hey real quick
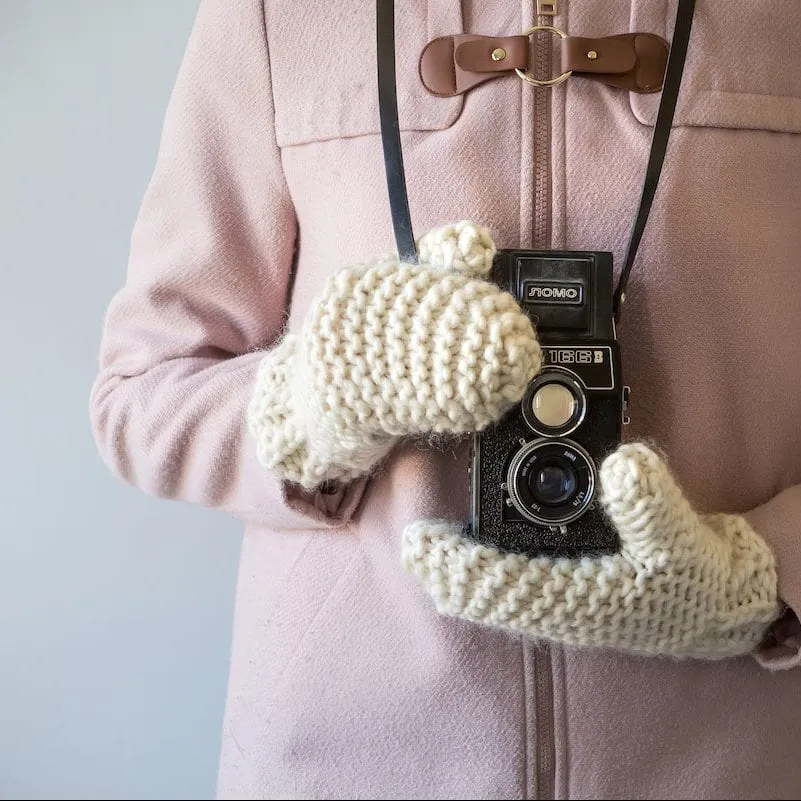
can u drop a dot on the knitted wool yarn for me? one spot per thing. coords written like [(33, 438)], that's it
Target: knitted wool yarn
[(682, 584), (391, 349)]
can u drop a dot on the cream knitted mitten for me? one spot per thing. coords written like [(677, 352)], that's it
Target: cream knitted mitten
[(391, 349), (682, 584)]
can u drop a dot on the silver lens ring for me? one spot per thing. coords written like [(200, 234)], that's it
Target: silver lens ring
[(536, 455), (565, 378)]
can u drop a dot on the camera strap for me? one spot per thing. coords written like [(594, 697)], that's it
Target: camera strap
[(393, 153), (390, 131)]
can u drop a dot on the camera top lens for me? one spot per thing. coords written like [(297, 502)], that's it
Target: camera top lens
[(554, 404)]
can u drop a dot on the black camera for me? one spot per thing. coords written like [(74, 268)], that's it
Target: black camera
[(534, 474)]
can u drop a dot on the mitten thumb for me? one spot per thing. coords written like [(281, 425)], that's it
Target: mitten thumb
[(462, 247), (654, 520)]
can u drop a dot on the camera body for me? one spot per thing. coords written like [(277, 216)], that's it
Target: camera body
[(534, 474)]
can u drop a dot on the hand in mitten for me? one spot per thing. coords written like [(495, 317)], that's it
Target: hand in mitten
[(682, 584), (391, 349)]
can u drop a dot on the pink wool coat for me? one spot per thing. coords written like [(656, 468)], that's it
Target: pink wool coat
[(345, 683)]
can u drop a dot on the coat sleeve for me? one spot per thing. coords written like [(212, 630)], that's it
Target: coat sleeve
[(779, 523), (207, 289)]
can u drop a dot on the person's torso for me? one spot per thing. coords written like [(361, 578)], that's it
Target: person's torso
[(368, 690)]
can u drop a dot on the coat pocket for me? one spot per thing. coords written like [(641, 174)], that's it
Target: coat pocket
[(323, 65), (743, 65)]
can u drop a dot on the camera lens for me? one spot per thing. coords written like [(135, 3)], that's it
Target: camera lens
[(554, 404), (553, 484)]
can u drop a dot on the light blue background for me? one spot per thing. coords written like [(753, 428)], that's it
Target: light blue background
[(115, 608)]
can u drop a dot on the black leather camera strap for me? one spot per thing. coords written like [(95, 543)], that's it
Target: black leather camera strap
[(659, 140), (393, 154), (390, 131)]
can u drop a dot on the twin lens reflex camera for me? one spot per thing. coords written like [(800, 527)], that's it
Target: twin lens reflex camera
[(534, 474)]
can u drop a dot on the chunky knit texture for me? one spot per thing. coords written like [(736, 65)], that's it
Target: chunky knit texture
[(682, 584), (391, 349)]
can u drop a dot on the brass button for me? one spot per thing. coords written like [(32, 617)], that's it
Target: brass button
[(592, 55), (498, 54)]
